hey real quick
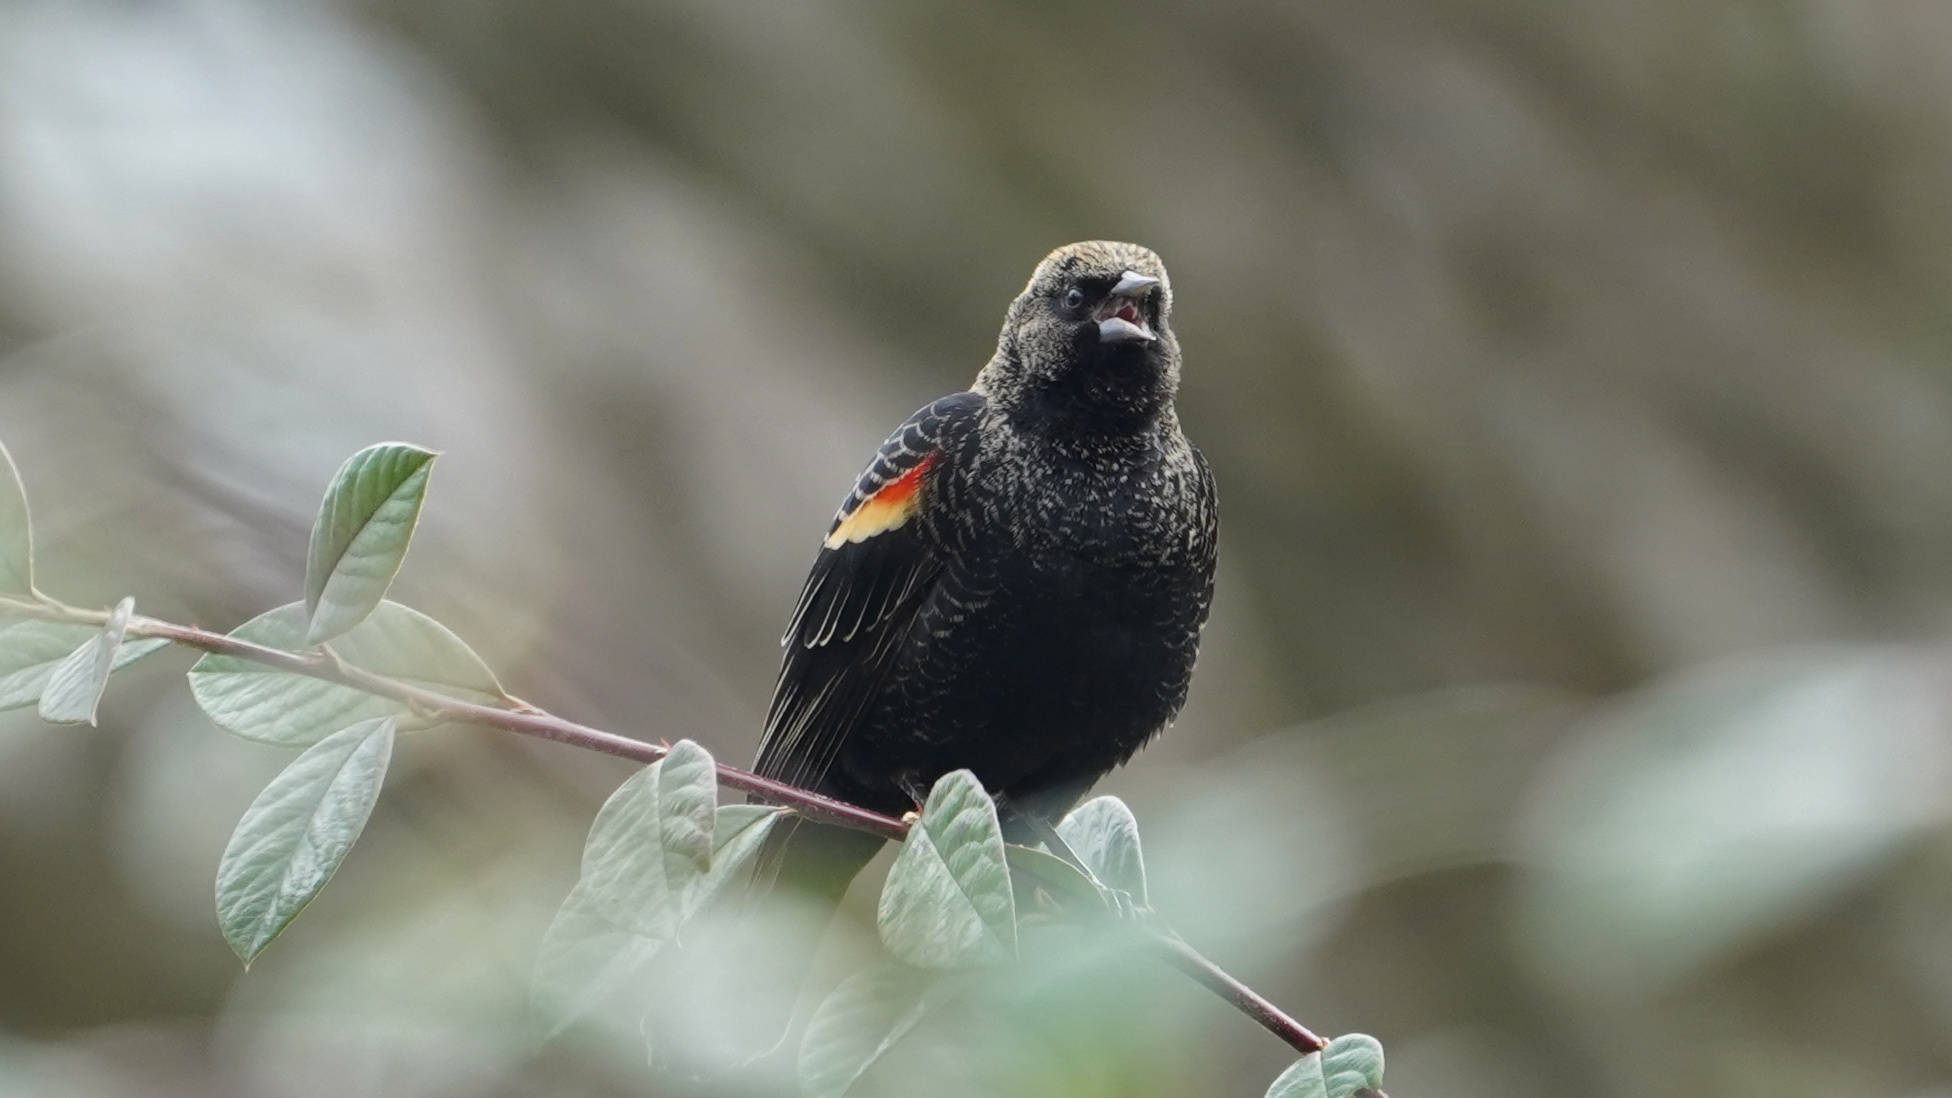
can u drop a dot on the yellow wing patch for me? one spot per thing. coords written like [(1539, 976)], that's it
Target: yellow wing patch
[(891, 505)]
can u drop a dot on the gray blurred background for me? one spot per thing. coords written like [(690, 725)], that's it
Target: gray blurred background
[(1574, 712)]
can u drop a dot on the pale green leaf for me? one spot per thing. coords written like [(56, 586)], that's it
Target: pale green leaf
[(293, 837), (737, 834), (588, 966), (1701, 814), (74, 689), (1054, 875), (948, 903), (31, 650), (688, 803), (16, 532), (658, 851), (651, 843), (271, 706), (857, 1024), (1351, 1064), (1105, 837), (361, 535)]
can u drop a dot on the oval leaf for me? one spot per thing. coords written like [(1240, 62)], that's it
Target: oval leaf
[(737, 834), (651, 843), (1105, 837), (1062, 880), (687, 811), (16, 532), (277, 707), (296, 833), (1350, 1066), (74, 689), (857, 1025), (361, 535), (31, 650), (948, 903), (587, 966)]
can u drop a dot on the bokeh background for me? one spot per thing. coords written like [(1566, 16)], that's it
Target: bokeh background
[(1574, 712)]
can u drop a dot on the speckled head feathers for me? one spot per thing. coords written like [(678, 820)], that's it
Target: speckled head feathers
[(1101, 258), (1089, 342)]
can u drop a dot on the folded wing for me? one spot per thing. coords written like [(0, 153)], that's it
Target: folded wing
[(874, 569)]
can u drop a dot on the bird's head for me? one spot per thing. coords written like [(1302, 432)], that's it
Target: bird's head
[(1088, 343)]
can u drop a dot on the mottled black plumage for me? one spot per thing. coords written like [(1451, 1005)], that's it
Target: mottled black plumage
[(1017, 583)]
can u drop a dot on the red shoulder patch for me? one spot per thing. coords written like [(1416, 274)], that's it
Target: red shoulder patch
[(890, 505)]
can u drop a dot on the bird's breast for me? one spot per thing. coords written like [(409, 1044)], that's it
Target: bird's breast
[(1065, 517)]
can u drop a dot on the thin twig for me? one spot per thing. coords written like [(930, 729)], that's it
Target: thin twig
[(1245, 999), (441, 707), (530, 721)]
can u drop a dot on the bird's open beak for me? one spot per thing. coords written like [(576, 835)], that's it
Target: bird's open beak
[(1122, 318)]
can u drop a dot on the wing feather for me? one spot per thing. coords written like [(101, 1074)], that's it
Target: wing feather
[(873, 571)]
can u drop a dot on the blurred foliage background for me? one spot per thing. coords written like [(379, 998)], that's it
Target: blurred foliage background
[(1573, 716)]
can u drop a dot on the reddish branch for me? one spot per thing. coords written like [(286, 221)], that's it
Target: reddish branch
[(1245, 999), (528, 722), (534, 722)]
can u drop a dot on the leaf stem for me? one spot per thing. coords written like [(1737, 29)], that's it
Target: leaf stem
[(529, 721)]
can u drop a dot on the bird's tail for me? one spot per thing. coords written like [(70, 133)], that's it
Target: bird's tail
[(799, 879), (811, 863), (801, 875)]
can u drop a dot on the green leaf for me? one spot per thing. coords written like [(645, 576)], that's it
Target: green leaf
[(587, 966), (361, 535), (31, 650), (276, 707), (1054, 875), (590, 964), (947, 903), (658, 851), (16, 532), (1350, 1064), (296, 833), (1703, 813), (737, 834), (74, 689), (858, 1024), (1105, 837), (651, 843)]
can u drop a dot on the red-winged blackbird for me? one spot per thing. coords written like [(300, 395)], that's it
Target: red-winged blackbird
[(1017, 583)]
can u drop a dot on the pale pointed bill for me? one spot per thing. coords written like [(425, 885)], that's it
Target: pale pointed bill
[(1116, 328)]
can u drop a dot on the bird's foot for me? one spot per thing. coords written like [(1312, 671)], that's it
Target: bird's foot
[(910, 784)]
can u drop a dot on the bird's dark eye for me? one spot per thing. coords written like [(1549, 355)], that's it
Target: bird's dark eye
[(1074, 298)]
